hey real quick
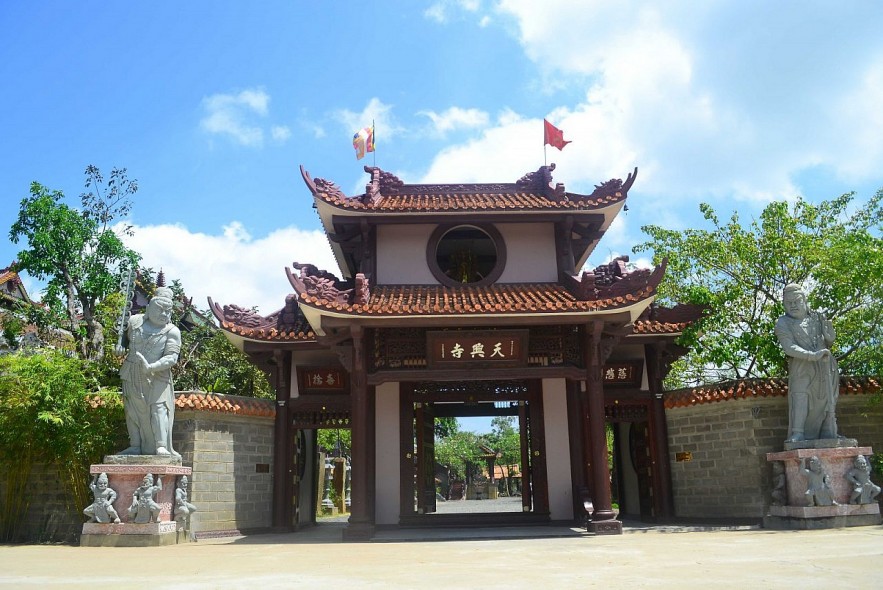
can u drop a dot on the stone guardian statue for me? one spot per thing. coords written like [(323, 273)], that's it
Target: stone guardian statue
[(183, 507), (101, 509), (863, 490), (813, 379), (148, 394), (144, 508)]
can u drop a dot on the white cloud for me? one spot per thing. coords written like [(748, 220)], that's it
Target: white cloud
[(232, 115), (860, 151), (280, 133), (381, 114), (456, 118), (440, 11), (436, 12), (240, 118), (231, 266), (706, 110)]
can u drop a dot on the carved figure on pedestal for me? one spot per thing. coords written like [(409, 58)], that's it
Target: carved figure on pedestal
[(102, 510), (818, 487), (813, 379), (148, 395), (183, 508), (779, 494), (864, 491), (144, 508)]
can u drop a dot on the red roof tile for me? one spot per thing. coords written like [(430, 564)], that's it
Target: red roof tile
[(753, 388), (225, 404), (416, 300), (387, 194)]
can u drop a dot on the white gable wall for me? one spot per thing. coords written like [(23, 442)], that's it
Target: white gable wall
[(401, 254)]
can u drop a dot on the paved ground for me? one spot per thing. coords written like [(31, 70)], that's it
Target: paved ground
[(643, 557)]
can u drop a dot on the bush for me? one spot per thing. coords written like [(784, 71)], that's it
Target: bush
[(50, 412)]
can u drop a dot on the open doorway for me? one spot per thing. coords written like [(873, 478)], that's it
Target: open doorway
[(455, 476)]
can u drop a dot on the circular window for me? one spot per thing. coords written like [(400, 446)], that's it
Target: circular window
[(466, 254)]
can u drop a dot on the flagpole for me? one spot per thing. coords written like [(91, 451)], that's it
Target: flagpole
[(545, 163), (374, 141)]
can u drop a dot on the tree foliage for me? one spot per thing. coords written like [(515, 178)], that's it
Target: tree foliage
[(209, 362), (833, 249), (51, 412), (459, 452), (336, 442), (76, 251), (505, 439)]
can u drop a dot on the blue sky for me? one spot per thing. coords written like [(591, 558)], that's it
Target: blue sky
[(213, 105)]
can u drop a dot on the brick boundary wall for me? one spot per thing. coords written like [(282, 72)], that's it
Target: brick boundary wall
[(727, 438), (232, 459), (227, 439)]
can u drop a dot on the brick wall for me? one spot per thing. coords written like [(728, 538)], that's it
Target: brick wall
[(231, 486), (50, 516), (232, 459), (728, 475)]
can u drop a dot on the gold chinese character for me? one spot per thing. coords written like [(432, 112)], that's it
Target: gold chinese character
[(609, 375), (317, 379), (457, 351), (477, 350), (498, 350), (622, 374), (330, 379)]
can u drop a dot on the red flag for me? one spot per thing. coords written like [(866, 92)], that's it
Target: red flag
[(553, 136)]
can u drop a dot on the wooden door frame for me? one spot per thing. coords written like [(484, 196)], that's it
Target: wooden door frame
[(408, 516)]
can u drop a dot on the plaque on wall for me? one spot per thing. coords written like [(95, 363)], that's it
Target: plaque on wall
[(473, 349), (624, 373), (322, 380)]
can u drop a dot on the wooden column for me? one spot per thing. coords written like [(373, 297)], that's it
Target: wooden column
[(603, 518), (575, 429), (663, 496), (361, 522), (282, 473)]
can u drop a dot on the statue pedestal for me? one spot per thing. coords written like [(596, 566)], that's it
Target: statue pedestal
[(125, 473), (797, 514)]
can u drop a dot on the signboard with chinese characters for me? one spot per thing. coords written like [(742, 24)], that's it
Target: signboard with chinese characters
[(476, 349), (322, 379), (623, 373)]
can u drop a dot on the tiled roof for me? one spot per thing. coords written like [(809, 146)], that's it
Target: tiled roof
[(652, 327), (387, 194), (668, 320), (286, 325), (467, 202), (225, 404), (754, 388), (416, 300), (7, 275)]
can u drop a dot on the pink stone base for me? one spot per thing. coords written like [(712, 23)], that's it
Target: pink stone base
[(835, 461), (131, 535), (125, 479), (153, 528), (826, 511)]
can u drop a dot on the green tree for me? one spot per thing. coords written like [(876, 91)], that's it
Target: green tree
[(834, 249), (505, 439), (458, 452), (76, 251), (52, 413), (336, 441), (209, 362)]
